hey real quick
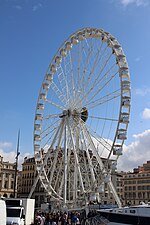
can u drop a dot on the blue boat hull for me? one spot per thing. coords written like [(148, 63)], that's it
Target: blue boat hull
[(126, 219)]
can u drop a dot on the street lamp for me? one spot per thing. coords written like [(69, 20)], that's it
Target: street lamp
[(16, 164)]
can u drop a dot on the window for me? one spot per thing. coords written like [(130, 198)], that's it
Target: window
[(6, 184), (13, 212), (132, 211), (7, 175), (12, 184)]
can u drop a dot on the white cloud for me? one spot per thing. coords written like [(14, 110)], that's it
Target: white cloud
[(137, 59), (142, 91), (5, 144), (18, 7), (9, 155), (134, 154), (137, 153), (37, 6), (136, 2), (146, 113)]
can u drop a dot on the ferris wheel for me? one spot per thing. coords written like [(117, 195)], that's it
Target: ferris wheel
[(82, 116)]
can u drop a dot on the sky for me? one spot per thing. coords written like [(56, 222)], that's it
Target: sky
[(31, 31)]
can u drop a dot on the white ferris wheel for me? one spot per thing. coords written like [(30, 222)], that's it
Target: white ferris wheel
[(82, 116)]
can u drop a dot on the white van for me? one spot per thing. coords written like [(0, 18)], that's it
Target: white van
[(20, 211), (2, 212)]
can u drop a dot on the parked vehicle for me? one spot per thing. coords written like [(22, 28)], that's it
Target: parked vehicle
[(19, 211), (2, 212)]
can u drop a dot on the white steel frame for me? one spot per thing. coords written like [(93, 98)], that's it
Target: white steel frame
[(86, 78)]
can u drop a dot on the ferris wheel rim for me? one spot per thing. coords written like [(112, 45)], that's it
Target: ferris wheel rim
[(124, 97)]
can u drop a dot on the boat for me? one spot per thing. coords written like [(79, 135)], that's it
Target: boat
[(129, 215)]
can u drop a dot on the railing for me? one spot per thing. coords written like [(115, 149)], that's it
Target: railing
[(96, 220)]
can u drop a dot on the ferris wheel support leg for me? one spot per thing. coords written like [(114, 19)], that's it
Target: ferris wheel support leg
[(56, 155), (89, 160), (65, 167), (44, 163), (75, 183), (111, 186), (33, 187), (117, 199), (76, 157)]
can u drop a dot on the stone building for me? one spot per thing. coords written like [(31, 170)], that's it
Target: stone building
[(136, 185), (7, 177), (26, 180)]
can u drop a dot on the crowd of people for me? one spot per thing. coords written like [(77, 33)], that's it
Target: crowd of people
[(59, 218)]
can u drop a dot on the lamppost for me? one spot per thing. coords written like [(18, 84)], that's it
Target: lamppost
[(16, 164)]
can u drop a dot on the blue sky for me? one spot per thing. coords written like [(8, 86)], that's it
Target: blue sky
[(33, 30)]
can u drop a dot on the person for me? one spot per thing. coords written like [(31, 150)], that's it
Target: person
[(69, 219), (39, 219), (47, 219), (74, 219), (64, 219), (78, 219)]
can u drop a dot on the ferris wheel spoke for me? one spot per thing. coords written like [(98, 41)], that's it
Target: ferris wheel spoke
[(58, 93), (79, 68), (110, 95), (101, 88), (51, 116), (49, 124), (85, 97), (82, 78), (88, 137), (63, 83), (98, 81), (72, 82), (84, 67), (55, 135), (95, 60), (81, 52), (100, 140), (93, 105), (103, 118), (54, 104), (104, 101), (49, 130), (106, 74), (49, 138)]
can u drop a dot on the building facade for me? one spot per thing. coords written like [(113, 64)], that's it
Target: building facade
[(136, 185), (7, 178), (132, 187), (26, 179)]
